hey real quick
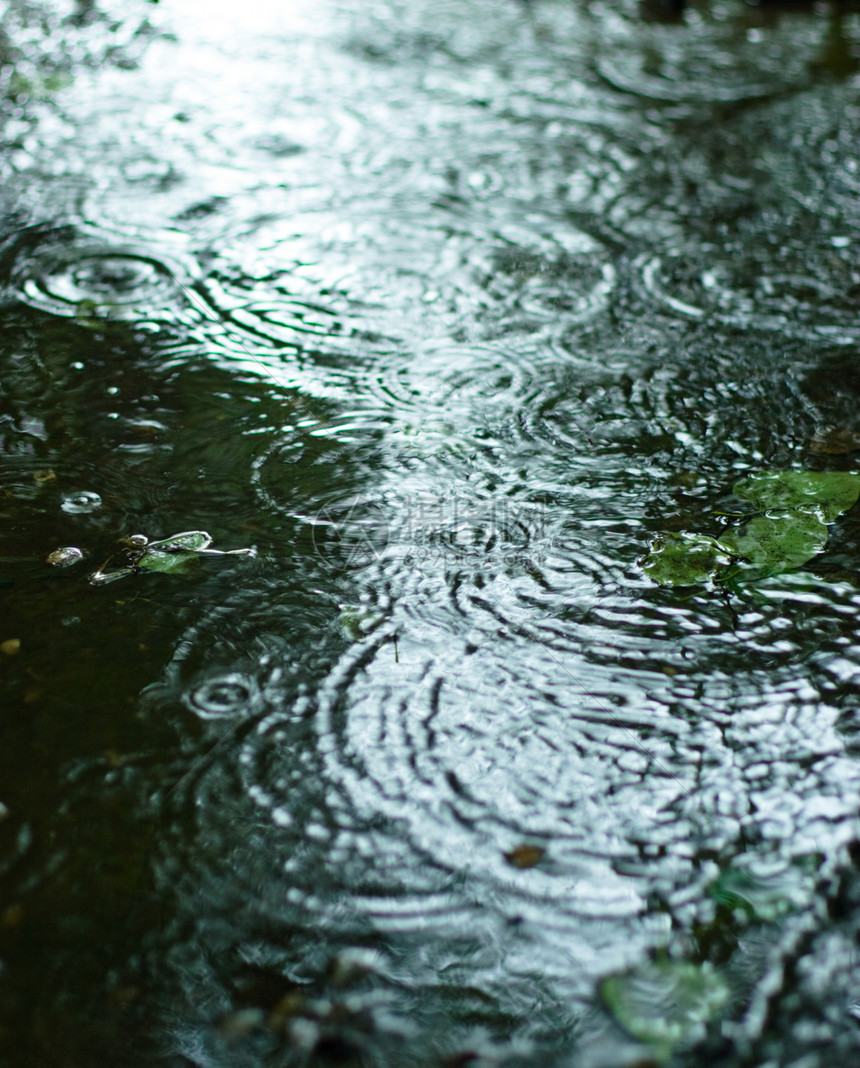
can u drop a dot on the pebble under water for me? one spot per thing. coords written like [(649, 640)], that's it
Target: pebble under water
[(448, 310)]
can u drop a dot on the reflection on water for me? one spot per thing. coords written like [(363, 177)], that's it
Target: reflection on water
[(449, 309)]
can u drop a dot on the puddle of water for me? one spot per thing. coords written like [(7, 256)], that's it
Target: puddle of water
[(449, 310)]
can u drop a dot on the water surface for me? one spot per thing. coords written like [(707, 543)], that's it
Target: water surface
[(448, 309)]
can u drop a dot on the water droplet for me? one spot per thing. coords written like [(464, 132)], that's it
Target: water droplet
[(81, 503), (224, 696), (65, 556)]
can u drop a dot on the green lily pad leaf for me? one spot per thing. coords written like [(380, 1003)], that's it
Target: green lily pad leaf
[(685, 559), (665, 1003), (778, 543), (826, 493)]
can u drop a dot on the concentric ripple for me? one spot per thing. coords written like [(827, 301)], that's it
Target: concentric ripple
[(801, 296), (70, 275), (223, 697), (713, 58), (459, 307), (549, 703), (414, 788), (611, 727)]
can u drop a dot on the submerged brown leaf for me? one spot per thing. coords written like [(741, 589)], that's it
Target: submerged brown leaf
[(525, 856), (834, 441)]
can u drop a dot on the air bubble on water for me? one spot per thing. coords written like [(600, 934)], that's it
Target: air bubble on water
[(224, 696), (81, 503)]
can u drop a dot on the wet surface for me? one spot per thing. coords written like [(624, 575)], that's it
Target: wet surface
[(448, 310)]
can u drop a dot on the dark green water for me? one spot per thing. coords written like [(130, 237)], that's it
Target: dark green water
[(448, 309)]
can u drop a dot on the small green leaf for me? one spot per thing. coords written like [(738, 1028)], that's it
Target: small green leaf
[(827, 493), (665, 1003), (176, 562), (685, 559), (87, 313), (176, 554), (358, 622), (778, 543)]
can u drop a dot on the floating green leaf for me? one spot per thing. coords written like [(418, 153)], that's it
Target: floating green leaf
[(685, 559), (177, 562), (665, 1003), (778, 543), (175, 554), (796, 507), (826, 493), (358, 622)]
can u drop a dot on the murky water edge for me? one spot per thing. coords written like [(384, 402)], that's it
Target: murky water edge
[(448, 310)]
